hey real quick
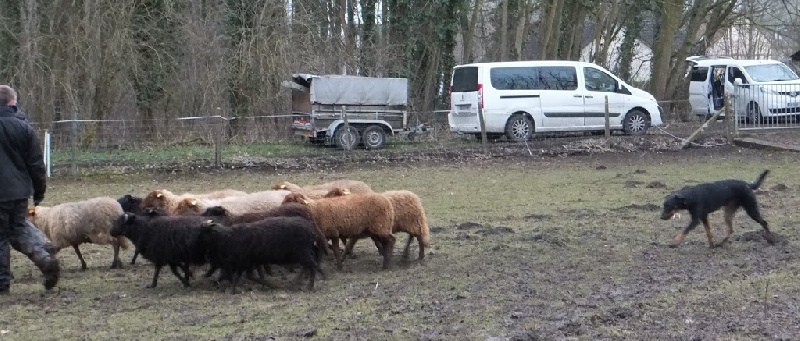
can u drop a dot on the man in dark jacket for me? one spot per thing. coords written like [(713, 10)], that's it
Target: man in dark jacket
[(22, 174)]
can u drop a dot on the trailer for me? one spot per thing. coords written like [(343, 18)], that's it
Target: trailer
[(348, 111)]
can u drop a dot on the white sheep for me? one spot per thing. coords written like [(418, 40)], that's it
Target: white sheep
[(75, 223), (257, 202), (164, 199)]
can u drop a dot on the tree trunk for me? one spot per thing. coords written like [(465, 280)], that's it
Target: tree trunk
[(670, 16), (524, 12), (469, 33), (504, 31), (550, 8), (555, 33)]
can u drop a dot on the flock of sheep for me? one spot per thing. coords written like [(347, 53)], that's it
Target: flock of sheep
[(237, 233)]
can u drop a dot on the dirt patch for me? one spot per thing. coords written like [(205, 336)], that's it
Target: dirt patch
[(495, 230), (537, 217), (656, 184), (757, 236), (633, 183), (779, 188), (468, 225), (645, 207), (545, 238)]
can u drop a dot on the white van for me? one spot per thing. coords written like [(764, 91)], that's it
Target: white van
[(521, 98), (767, 88)]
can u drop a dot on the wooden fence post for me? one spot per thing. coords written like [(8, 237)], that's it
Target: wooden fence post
[(608, 120)]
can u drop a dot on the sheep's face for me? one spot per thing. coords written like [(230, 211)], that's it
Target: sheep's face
[(157, 198), (31, 211), (296, 197), (121, 226), (188, 206), (286, 185), (215, 211), (336, 192)]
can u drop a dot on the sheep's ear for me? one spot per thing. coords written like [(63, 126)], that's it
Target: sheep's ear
[(129, 218), (345, 191), (282, 186), (194, 202), (303, 200), (31, 211), (159, 195)]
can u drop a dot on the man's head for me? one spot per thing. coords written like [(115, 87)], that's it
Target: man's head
[(7, 95)]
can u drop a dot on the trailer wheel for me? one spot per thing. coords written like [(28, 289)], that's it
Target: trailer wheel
[(346, 139), (374, 137)]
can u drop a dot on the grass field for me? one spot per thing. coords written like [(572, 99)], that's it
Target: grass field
[(559, 248)]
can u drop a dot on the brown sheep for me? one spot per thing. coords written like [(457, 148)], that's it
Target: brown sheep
[(164, 199), (75, 223), (251, 203), (409, 217), (350, 216), (318, 191)]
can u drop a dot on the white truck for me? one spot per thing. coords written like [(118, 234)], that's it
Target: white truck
[(348, 111)]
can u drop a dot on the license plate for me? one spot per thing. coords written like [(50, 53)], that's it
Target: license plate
[(463, 106)]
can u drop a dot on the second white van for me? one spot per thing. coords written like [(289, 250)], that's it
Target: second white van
[(522, 98)]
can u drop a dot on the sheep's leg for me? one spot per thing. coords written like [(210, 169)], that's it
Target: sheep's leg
[(116, 263), (80, 256), (408, 247), (258, 280), (135, 254), (210, 271), (312, 272), (388, 246), (421, 249), (337, 252), (235, 281), (154, 283), (174, 270), (187, 271)]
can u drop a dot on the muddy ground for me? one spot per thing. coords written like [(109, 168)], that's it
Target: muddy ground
[(528, 243)]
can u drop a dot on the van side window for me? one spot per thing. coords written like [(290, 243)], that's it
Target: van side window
[(699, 74), (735, 72), (597, 80), (558, 78), (514, 78)]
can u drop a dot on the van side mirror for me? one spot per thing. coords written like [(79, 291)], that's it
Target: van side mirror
[(622, 89), (737, 81)]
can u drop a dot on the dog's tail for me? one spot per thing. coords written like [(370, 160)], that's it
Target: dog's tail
[(759, 180)]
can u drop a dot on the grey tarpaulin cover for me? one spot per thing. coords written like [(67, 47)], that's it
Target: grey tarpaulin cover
[(352, 90)]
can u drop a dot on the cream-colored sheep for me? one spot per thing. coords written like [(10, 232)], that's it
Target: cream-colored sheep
[(168, 201), (75, 223), (257, 202), (318, 191), (352, 216), (409, 217)]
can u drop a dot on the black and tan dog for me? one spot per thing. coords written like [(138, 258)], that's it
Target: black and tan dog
[(705, 198)]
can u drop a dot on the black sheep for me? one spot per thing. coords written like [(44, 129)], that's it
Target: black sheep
[(239, 248), (132, 204), (284, 210), (175, 241)]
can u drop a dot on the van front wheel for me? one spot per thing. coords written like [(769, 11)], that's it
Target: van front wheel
[(519, 128), (636, 122)]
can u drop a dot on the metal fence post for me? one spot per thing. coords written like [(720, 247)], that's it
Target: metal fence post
[(74, 147), (346, 129), (728, 120), (218, 144), (608, 120)]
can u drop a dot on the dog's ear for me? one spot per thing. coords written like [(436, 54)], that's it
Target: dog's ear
[(680, 199)]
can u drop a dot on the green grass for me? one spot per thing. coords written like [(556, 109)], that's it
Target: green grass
[(585, 267)]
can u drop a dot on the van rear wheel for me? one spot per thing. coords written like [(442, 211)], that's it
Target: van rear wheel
[(519, 128)]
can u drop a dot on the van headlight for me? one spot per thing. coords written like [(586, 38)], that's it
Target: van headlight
[(768, 91)]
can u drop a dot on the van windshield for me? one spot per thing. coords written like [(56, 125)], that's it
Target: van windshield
[(465, 79), (771, 73)]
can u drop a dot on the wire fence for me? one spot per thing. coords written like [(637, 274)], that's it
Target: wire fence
[(216, 141)]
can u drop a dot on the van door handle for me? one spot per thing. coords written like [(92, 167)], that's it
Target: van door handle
[(578, 96), (589, 96)]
